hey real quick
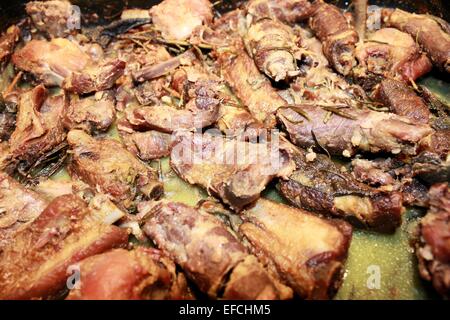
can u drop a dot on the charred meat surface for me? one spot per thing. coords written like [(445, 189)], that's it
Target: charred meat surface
[(318, 185), (272, 46), (428, 31), (18, 206), (234, 171), (105, 164), (188, 14), (92, 114), (307, 252), (54, 17), (139, 274), (35, 264), (208, 253), (433, 247), (402, 100), (338, 36), (346, 130)]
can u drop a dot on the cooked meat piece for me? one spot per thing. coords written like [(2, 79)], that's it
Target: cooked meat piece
[(343, 131), (146, 145), (437, 143), (429, 167), (287, 11), (202, 110), (107, 166), (92, 114), (402, 100), (427, 31), (139, 274), (433, 247), (208, 253), (35, 265), (177, 19), (251, 87), (8, 112), (237, 121), (234, 171), (338, 36), (44, 60), (95, 78), (391, 53), (153, 71), (371, 172), (272, 46), (307, 252), (39, 126), (320, 186), (53, 17), (18, 207), (8, 42)]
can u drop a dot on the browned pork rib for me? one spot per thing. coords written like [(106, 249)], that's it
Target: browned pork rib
[(343, 131), (95, 77), (338, 36), (139, 274), (18, 207), (272, 46), (402, 100), (286, 11), (390, 53), (433, 247), (201, 110), (107, 166), (307, 252), (234, 171), (209, 254), (54, 17), (251, 87), (35, 265), (92, 114), (52, 61), (146, 145), (177, 19), (39, 126), (320, 186), (8, 42), (428, 31)]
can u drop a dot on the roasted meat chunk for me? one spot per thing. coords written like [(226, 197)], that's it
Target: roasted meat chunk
[(92, 114), (272, 45), (209, 254), (433, 247), (56, 18), (39, 127), (402, 100), (390, 53), (36, 263), (307, 252), (286, 11), (106, 165), (338, 36), (8, 42), (18, 207), (343, 131), (318, 185), (251, 87), (188, 15), (233, 170), (44, 60), (139, 274), (428, 32), (147, 145)]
